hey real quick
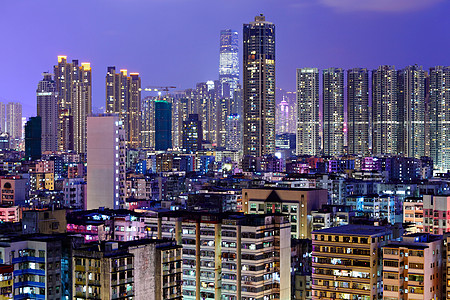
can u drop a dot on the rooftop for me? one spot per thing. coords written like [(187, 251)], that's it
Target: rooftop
[(351, 229)]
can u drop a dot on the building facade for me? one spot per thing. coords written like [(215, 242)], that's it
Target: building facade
[(163, 125), (123, 97), (14, 123), (385, 111), (259, 87), (74, 94), (297, 203), (440, 117), (333, 112), (308, 119), (346, 262), (230, 256), (413, 267), (412, 106), (47, 109), (192, 134), (229, 63), (358, 111), (33, 138), (106, 162)]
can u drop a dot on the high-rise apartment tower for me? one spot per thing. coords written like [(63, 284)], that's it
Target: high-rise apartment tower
[(358, 111), (259, 87), (47, 109), (385, 115), (308, 119), (333, 112), (123, 97)]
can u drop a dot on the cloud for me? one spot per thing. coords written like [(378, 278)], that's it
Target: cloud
[(379, 5)]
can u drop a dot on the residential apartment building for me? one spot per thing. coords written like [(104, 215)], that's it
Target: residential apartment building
[(413, 214), (145, 269), (346, 262), (412, 268), (229, 256), (436, 214), (297, 203)]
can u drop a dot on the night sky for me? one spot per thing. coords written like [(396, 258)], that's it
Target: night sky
[(176, 42)]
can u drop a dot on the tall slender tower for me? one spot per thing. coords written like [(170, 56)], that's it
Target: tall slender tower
[(229, 63), (74, 94), (105, 162), (2, 117), (163, 125), (308, 119), (81, 104), (411, 81), (333, 112), (47, 109), (440, 117), (14, 123), (123, 97), (358, 111), (385, 116), (148, 122), (259, 87)]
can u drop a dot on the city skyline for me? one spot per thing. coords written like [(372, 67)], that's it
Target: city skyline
[(160, 63)]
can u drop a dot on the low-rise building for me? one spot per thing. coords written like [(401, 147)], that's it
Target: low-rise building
[(413, 213), (413, 267), (297, 203), (144, 269), (346, 262)]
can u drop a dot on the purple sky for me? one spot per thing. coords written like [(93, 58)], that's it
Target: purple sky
[(175, 42)]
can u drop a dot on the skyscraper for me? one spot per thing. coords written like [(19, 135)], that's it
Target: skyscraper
[(33, 138), (282, 117), (63, 79), (81, 104), (229, 63), (14, 123), (74, 93), (192, 134), (2, 117), (179, 114), (411, 101), (47, 109), (148, 122), (234, 132), (308, 120), (123, 97), (208, 110), (333, 112), (259, 87), (440, 117), (163, 125), (105, 162), (385, 116), (358, 111)]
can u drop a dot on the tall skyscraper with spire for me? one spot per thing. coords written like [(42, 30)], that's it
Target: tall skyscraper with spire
[(358, 111), (229, 63), (74, 91), (308, 118), (385, 111), (47, 110), (411, 82), (333, 112), (123, 97), (259, 87), (440, 117)]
